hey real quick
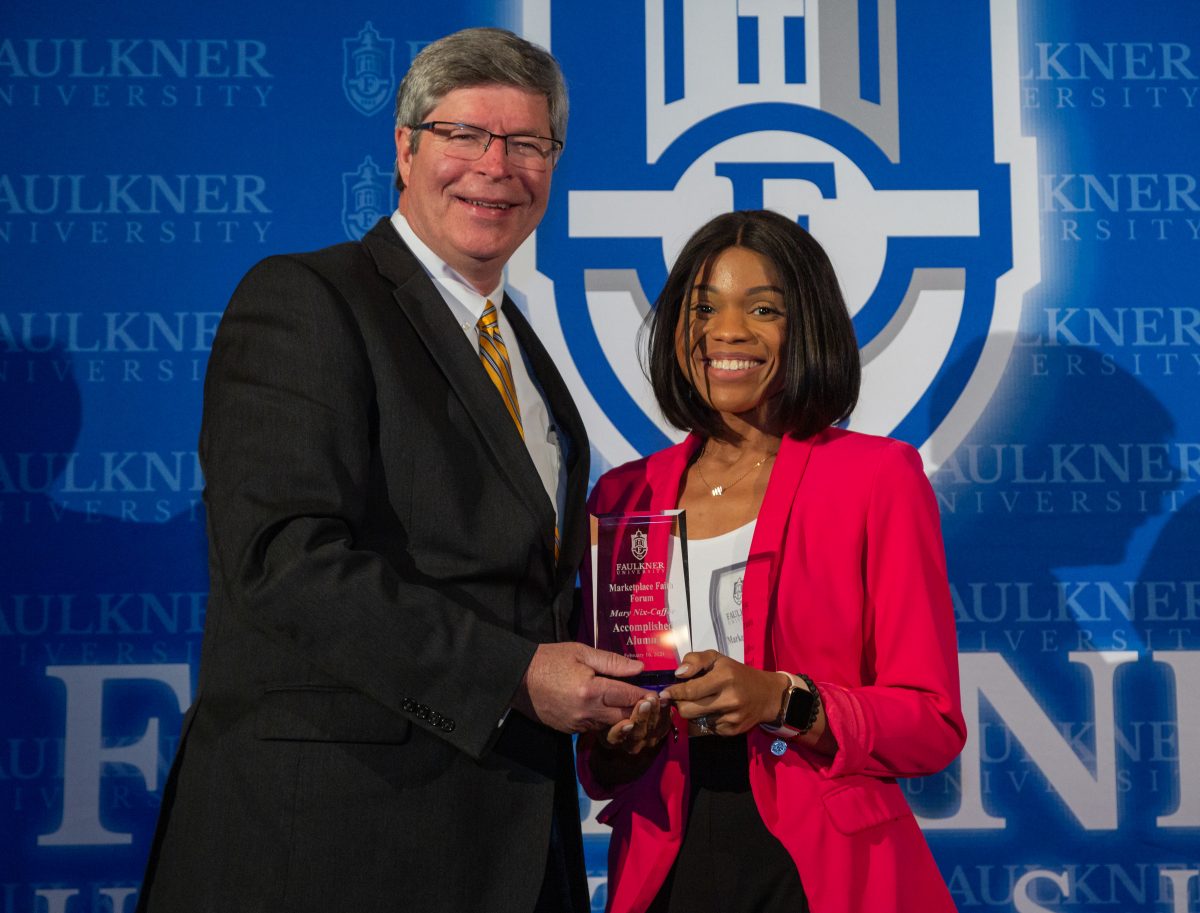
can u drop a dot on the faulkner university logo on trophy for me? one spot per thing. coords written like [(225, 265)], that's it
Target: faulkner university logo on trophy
[(638, 544), (636, 556)]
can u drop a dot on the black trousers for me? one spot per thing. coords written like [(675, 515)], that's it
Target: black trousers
[(564, 887), (555, 896), (729, 862)]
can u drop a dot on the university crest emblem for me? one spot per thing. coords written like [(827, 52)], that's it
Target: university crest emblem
[(916, 180), (367, 195), (637, 544), (368, 70)]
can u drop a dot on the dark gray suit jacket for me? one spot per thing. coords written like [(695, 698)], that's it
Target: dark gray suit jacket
[(382, 567)]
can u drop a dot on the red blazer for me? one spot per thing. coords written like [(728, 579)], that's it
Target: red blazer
[(847, 583)]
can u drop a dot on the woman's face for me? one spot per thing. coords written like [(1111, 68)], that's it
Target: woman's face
[(733, 349)]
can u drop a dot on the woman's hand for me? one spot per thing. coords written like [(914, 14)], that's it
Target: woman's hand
[(645, 729), (724, 696), (625, 751)]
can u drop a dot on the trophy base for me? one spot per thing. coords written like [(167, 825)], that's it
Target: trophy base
[(654, 681)]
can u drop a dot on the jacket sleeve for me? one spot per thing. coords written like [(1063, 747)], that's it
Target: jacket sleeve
[(287, 451), (907, 720)]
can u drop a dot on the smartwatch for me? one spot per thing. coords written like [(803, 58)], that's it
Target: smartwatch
[(799, 708)]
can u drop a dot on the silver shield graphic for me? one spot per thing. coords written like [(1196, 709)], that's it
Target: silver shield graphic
[(824, 141)]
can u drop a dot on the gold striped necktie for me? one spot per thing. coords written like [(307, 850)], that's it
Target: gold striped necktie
[(494, 355)]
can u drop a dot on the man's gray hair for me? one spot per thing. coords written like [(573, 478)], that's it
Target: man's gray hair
[(479, 57)]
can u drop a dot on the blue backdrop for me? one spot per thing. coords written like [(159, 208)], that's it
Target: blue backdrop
[(1008, 190)]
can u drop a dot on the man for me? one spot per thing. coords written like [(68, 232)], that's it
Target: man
[(395, 502)]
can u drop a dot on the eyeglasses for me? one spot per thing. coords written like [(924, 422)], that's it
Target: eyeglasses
[(463, 141)]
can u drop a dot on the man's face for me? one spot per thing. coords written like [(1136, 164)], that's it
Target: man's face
[(475, 214)]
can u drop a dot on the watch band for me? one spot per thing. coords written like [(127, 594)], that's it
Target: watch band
[(781, 727)]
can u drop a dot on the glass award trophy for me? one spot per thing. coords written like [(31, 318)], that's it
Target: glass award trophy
[(725, 608), (634, 559)]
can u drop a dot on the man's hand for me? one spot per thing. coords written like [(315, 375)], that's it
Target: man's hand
[(563, 688)]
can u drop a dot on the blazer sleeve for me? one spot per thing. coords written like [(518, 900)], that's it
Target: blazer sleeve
[(907, 721), (286, 449)]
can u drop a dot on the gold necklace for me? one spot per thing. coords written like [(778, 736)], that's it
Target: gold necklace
[(717, 490)]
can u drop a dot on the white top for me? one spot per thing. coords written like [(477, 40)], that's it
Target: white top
[(716, 568), (467, 306)]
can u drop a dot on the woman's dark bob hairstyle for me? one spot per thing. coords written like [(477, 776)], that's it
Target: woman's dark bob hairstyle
[(821, 369)]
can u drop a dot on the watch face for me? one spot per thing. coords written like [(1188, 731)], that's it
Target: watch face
[(799, 709)]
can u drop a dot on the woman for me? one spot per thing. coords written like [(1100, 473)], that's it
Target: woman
[(764, 779)]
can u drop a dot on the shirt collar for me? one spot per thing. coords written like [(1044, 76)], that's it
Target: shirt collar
[(453, 286)]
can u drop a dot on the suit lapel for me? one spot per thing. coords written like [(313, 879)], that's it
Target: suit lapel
[(422, 304), (665, 469), (766, 548)]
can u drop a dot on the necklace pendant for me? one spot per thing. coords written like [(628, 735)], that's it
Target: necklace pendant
[(718, 490)]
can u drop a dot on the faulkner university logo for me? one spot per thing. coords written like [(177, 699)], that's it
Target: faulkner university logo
[(366, 197), (637, 544), (925, 199), (368, 71)]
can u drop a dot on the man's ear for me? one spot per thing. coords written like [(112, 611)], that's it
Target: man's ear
[(404, 152)]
